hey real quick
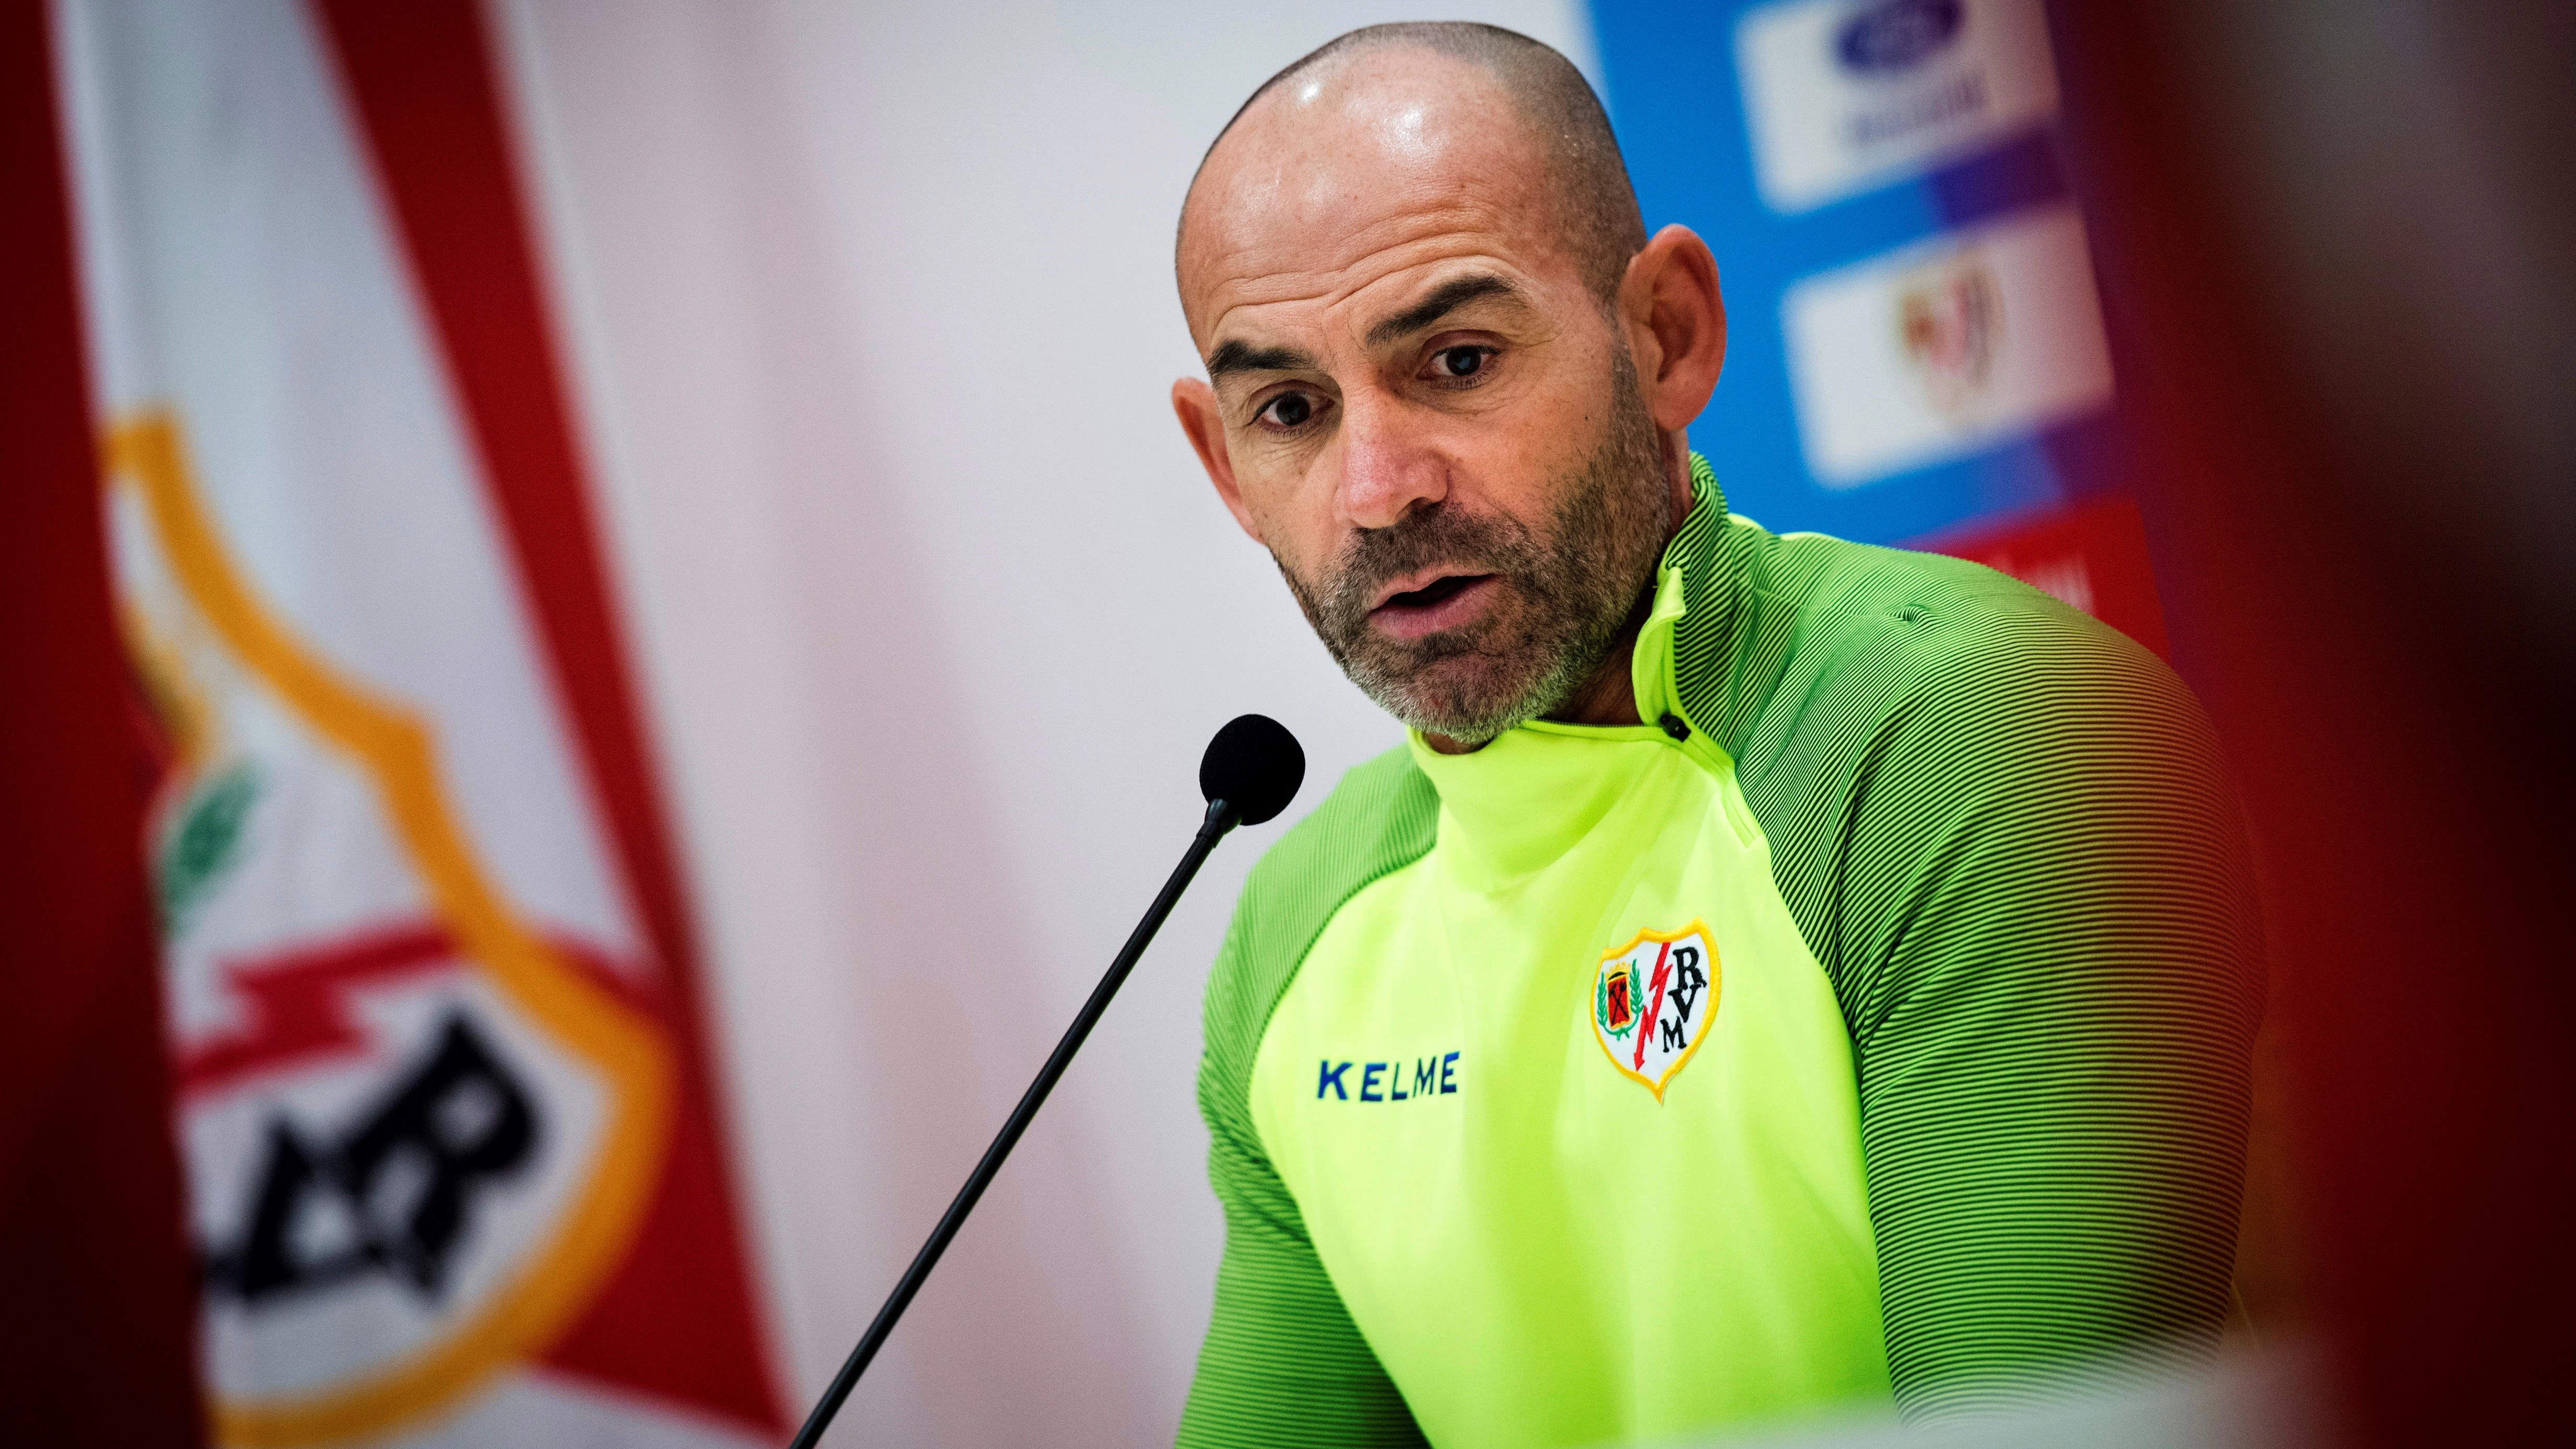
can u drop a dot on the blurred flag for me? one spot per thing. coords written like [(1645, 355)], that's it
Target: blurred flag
[(454, 1170)]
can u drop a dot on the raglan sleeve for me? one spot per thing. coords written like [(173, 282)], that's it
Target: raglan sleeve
[(1283, 1364), (2051, 967)]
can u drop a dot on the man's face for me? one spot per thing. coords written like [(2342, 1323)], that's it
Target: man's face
[(1424, 413)]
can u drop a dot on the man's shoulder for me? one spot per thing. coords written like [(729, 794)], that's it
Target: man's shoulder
[(1927, 608), (1930, 746), (1853, 639), (1382, 816)]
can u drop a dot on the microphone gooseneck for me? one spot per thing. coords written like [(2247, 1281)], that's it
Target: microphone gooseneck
[(1251, 771)]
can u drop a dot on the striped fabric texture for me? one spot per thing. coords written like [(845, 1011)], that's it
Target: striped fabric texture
[(2004, 831)]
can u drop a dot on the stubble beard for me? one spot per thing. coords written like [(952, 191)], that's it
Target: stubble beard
[(1566, 597)]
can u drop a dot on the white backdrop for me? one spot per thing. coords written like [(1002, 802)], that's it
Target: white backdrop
[(872, 311)]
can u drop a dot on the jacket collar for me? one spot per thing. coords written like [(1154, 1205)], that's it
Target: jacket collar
[(1704, 601)]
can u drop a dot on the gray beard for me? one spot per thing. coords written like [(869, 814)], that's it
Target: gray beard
[(1567, 596)]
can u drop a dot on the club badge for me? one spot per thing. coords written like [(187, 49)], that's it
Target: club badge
[(421, 1132), (1652, 1000)]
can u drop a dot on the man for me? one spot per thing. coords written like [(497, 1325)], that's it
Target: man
[(1776, 973)]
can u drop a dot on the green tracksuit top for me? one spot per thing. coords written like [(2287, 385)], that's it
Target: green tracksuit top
[(1871, 1019)]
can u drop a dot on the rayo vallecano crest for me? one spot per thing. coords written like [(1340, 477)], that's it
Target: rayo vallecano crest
[(420, 1132), (1652, 1001)]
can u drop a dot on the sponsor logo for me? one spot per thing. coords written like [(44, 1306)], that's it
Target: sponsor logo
[(1845, 95), (1357, 1081), (1897, 35), (1652, 1001)]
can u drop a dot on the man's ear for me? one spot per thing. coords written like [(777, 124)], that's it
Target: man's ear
[(1194, 402), (1676, 324)]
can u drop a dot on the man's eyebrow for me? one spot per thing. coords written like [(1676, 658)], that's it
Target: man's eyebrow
[(1446, 298), (1235, 355)]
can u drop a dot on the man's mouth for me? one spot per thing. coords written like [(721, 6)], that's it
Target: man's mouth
[(1433, 603)]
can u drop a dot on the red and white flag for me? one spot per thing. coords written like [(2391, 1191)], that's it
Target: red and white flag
[(454, 1170)]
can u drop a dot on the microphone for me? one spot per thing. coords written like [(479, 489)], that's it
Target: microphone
[(1249, 774)]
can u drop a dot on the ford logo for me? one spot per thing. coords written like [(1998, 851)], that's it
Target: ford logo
[(1897, 34)]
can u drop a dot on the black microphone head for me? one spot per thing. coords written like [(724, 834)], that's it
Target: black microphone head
[(1254, 765)]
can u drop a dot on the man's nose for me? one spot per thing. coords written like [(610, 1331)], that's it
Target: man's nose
[(1388, 467)]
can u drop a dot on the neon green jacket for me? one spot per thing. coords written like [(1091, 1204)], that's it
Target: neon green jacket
[(1872, 1019)]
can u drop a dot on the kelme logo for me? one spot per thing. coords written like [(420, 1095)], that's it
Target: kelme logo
[(1652, 1000)]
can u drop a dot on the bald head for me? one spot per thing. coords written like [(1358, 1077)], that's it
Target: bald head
[(1447, 374), (1564, 139)]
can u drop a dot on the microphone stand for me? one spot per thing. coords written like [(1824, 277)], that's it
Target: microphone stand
[(1220, 819)]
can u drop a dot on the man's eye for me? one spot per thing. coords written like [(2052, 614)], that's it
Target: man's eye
[(1455, 362), (1290, 410)]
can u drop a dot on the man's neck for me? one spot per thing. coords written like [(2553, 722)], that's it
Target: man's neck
[(1608, 697)]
